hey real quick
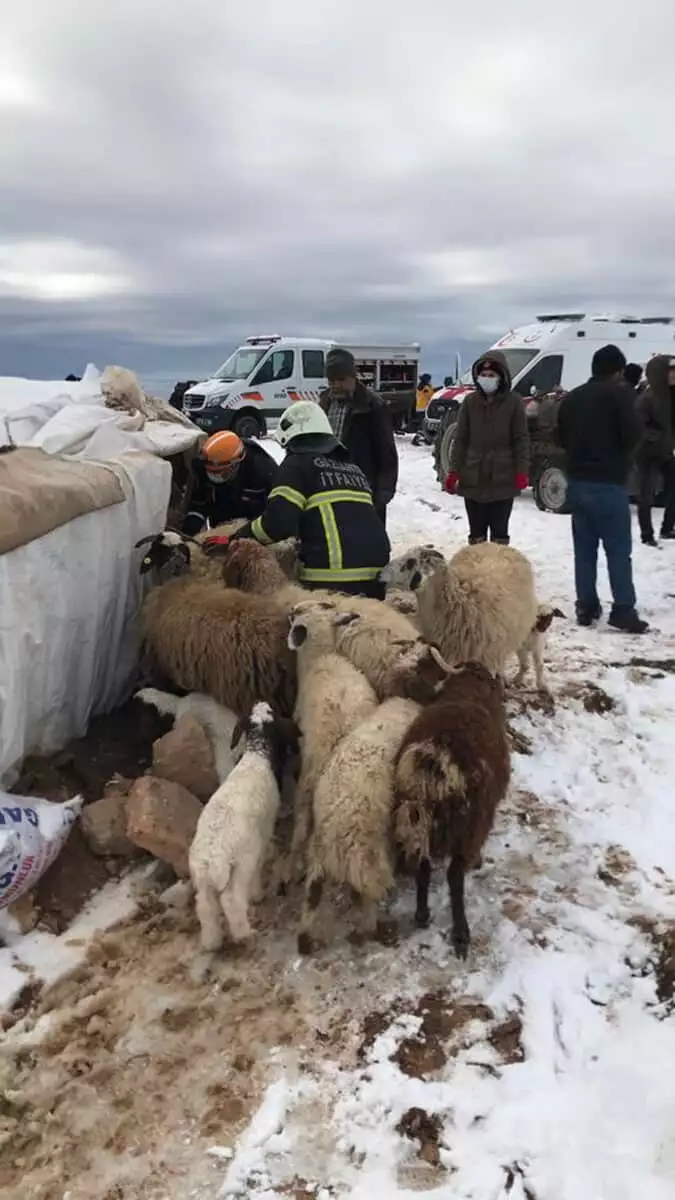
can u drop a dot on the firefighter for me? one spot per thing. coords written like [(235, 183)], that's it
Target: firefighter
[(231, 478), (324, 500)]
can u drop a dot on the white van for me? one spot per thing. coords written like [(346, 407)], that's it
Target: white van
[(261, 378)]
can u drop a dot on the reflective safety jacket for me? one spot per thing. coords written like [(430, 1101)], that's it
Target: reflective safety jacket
[(325, 502)]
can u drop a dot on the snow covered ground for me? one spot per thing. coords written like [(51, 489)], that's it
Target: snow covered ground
[(541, 1069)]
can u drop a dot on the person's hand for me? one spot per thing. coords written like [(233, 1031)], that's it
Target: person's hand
[(214, 545), (522, 482), (451, 481)]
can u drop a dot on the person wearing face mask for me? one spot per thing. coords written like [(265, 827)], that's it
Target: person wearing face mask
[(233, 477), (490, 451)]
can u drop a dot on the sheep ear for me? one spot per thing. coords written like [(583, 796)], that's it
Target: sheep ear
[(145, 541), (237, 733), (297, 636), (342, 619), (415, 581), (558, 613)]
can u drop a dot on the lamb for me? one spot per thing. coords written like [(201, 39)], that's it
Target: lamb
[(383, 644), (480, 606), (352, 814), (203, 637), (218, 722), (533, 647), (235, 829), (451, 772), (333, 697), (285, 553)]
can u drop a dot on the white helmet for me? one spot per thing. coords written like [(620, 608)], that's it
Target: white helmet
[(301, 419)]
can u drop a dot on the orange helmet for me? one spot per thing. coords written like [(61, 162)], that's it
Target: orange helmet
[(222, 453)]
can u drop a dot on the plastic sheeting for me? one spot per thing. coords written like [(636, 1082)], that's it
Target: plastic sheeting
[(69, 600)]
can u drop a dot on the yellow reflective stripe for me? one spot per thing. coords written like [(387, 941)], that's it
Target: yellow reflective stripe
[(259, 533), (332, 535), (290, 494), (349, 575), (338, 497)]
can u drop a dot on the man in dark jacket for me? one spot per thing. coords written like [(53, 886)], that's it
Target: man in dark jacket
[(324, 500), (598, 428), (231, 478), (490, 450), (360, 420), (656, 466)]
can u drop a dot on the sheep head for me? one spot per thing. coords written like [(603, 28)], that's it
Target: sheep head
[(545, 615), (410, 570), (268, 733), (167, 555), (420, 672), (315, 621)]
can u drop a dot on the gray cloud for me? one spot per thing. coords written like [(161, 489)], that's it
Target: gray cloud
[(175, 180)]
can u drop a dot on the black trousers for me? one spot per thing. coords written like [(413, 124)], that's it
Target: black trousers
[(491, 518), (645, 503)]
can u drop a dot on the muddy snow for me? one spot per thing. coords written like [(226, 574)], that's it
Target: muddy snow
[(538, 1070)]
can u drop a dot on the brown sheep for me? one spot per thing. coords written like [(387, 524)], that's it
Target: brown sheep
[(451, 772), (203, 637)]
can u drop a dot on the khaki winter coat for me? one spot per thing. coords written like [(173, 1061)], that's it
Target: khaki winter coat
[(491, 445)]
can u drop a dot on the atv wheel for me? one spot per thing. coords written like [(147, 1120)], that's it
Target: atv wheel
[(550, 488), (443, 444)]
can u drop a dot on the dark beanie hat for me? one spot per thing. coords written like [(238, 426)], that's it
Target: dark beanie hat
[(340, 364), (607, 361)]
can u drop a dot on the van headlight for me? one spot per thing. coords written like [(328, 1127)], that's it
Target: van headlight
[(217, 401)]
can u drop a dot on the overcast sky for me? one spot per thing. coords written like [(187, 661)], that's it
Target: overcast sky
[(174, 177)]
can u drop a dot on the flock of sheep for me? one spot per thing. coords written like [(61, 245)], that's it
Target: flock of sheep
[(385, 720)]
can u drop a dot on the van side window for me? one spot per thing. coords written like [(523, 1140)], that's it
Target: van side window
[(543, 377), (278, 366), (313, 364)]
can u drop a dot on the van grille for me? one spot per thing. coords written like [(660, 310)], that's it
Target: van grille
[(194, 402)]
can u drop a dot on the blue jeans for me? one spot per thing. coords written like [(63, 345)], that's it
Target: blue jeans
[(601, 513)]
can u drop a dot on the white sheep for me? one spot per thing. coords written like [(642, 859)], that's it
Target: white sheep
[(218, 722), (333, 697), (351, 815), (383, 644), (480, 606), (236, 827), (533, 648)]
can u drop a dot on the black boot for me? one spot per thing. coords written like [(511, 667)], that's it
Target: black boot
[(627, 620), (668, 535), (651, 541), (587, 616)]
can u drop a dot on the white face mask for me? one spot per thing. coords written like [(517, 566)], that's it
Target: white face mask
[(488, 384)]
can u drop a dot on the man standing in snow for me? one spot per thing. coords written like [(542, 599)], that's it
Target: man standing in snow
[(598, 428), (360, 420)]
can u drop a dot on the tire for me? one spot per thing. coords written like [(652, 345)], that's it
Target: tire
[(550, 488), (247, 424), (443, 444)]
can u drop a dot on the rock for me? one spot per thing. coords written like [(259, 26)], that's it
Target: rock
[(162, 818), (104, 825), (185, 756)]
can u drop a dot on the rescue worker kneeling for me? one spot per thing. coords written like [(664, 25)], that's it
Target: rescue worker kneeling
[(323, 500), (231, 478)]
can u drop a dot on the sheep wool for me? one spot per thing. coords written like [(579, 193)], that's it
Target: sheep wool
[(452, 770), (232, 646), (352, 812), (333, 697), (219, 722), (235, 829)]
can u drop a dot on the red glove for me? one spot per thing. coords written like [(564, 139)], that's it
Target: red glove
[(451, 482), (522, 482), (213, 544)]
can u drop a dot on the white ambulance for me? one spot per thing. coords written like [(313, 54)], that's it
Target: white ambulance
[(552, 354), (261, 378)]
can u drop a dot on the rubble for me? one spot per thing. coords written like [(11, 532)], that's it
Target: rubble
[(185, 755), (162, 818), (104, 823)]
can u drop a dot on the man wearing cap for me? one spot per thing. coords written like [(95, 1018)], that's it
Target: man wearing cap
[(598, 428), (361, 421), (231, 478), (322, 499)]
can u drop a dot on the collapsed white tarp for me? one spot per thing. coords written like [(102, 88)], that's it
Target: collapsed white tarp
[(68, 600)]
